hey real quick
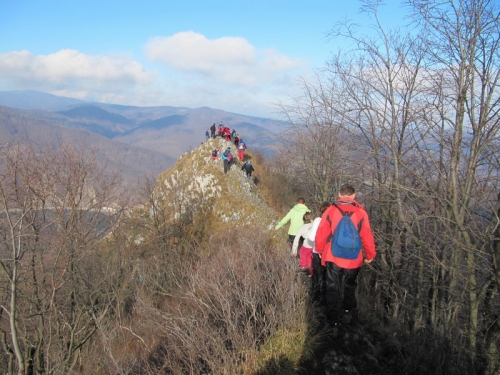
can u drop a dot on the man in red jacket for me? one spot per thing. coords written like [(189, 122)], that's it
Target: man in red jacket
[(337, 268)]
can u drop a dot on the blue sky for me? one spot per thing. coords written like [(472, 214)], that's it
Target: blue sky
[(239, 56)]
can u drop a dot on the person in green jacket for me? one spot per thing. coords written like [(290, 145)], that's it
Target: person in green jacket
[(295, 217)]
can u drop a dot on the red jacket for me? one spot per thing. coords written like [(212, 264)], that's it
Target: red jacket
[(329, 221)]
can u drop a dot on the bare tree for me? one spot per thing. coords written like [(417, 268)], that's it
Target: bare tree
[(315, 149), (382, 82), (463, 41), (55, 208), (422, 107)]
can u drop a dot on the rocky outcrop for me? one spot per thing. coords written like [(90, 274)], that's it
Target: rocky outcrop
[(197, 181)]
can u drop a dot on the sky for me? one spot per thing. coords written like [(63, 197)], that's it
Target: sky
[(238, 56)]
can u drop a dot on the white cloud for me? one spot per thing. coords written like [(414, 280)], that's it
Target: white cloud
[(192, 71), (71, 69), (194, 52), (227, 60)]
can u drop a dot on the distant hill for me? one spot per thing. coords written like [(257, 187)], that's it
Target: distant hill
[(96, 113), (29, 99), (168, 130), (94, 119), (164, 122), (132, 161)]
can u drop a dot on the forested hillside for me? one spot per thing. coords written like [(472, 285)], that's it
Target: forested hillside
[(190, 280), (131, 162)]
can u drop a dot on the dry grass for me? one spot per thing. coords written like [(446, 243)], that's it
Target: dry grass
[(274, 186), (230, 312)]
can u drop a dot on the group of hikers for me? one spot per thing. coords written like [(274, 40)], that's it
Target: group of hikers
[(226, 155), (332, 248), (223, 131)]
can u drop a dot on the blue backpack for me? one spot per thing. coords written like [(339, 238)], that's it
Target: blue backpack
[(346, 242)]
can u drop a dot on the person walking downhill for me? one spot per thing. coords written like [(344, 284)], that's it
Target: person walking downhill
[(248, 168), (305, 251), (295, 217), (343, 260), (227, 158), (318, 277)]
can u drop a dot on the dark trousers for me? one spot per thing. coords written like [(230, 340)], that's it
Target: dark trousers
[(291, 238), (227, 166), (318, 279), (334, 276)]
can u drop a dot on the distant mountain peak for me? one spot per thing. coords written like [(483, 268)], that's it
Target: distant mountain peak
[(96, 113)]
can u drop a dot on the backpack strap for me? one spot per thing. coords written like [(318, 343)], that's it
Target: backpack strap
[(349, 214), (344, 213)]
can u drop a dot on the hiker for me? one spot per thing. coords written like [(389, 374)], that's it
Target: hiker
[(227, 133), (236, 140), (215, 154), (241, 149), (212, 131), (305, 251), (248, 168), (233, 135), (295, 217), (318, 276), (339, 268), (227, 157), (207, 134), (220, 130)]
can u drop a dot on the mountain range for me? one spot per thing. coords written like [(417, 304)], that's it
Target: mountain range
[(136, 140)]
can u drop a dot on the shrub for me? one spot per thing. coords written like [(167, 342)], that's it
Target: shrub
[(225, 307)]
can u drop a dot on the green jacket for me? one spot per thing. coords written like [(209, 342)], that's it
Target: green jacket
[(295, 217)]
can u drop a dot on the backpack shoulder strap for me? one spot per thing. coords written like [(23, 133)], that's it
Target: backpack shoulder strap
[(342, 211), (349, 214)]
